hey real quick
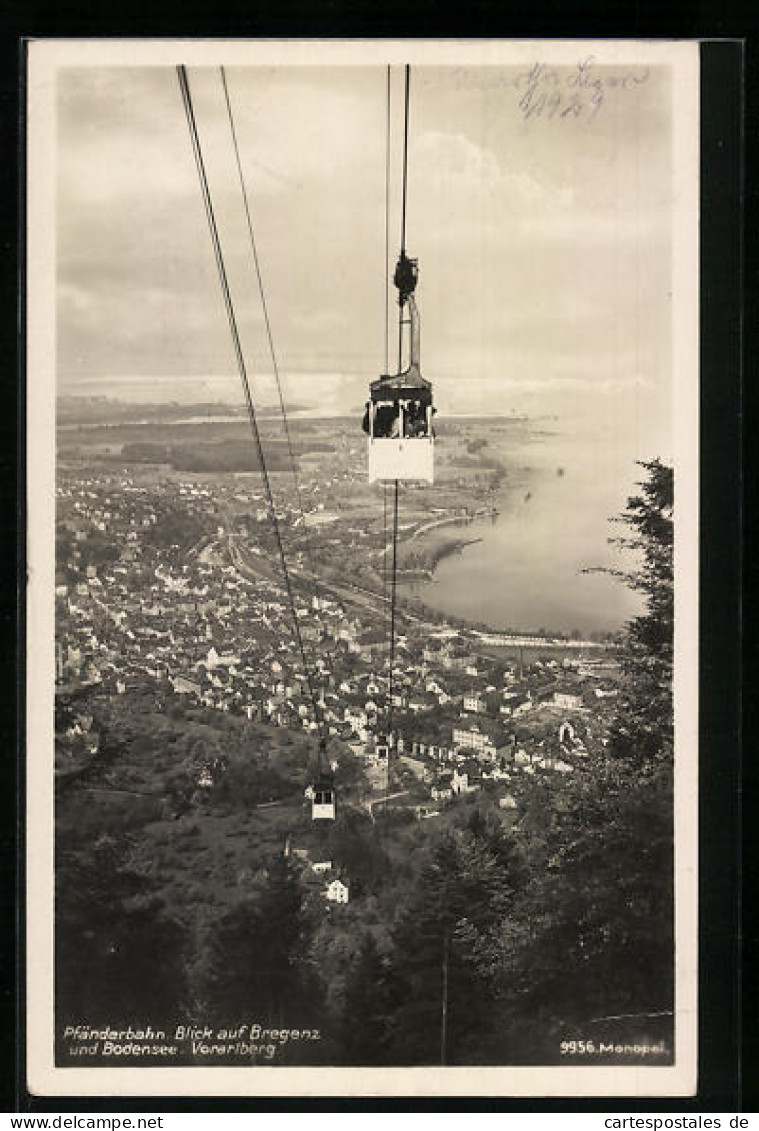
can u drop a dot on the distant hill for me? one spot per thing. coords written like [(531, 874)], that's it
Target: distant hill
[(109, 410)]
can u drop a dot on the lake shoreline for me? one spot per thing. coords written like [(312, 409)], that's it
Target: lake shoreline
[(438, 555)]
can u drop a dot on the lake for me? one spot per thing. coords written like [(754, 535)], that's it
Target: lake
[(526, 572)]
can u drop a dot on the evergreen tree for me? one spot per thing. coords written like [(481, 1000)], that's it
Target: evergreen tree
[(256, 962), (643, 730), (593, 938), (364, 1031), (446, 949), (119, 956)]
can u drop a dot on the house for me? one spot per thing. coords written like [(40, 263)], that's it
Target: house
[(414, 764), (184, 686), (570, 700), (337, 892), (442, 789), (466, 778), (372, 643), (321, 866), (473, 703), (421, 701), (507, 802), (472, 737)]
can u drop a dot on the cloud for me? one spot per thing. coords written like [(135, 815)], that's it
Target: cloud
[(543, 254)]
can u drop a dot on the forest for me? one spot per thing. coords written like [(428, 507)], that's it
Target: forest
[(211, 455), (467, 940)]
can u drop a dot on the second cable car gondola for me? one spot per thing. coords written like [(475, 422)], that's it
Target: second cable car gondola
[(321, 791), (398, 416), (323, 798)]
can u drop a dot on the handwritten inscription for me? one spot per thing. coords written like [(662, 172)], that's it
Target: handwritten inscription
[(556, 92), (580, 92)]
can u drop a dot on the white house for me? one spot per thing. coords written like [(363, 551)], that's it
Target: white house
[(466, 779), (566, 699), (337, 892), (474, 703), (442, 790), (473, 738)]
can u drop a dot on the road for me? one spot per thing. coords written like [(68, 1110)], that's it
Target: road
[(344, 591), (381, 800)]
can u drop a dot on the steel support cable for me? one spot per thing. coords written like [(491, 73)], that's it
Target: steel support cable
[(386, 270), (261, 291), (229, 306), (267, 322), (392, 610), (405, 158), (387, 227), (384, 541), (404, 194), (385, 610), (393, 580)]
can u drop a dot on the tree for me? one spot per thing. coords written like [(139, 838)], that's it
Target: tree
[(363, 1028), (255, 962), (593, 937), (446, 949), (119, 956), (643, 730)]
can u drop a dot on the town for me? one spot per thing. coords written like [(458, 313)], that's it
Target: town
[(169, 585)]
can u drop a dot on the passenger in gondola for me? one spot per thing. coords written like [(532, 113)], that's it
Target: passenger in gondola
[(387, 420), (415, 419)]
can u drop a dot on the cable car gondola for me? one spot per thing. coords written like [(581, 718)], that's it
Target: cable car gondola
[(382, 748), (323, 797), (398, 416)]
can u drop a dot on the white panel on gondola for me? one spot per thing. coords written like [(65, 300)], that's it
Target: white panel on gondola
[(401, 459)]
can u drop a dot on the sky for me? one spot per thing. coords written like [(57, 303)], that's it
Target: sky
[(544, 244)]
